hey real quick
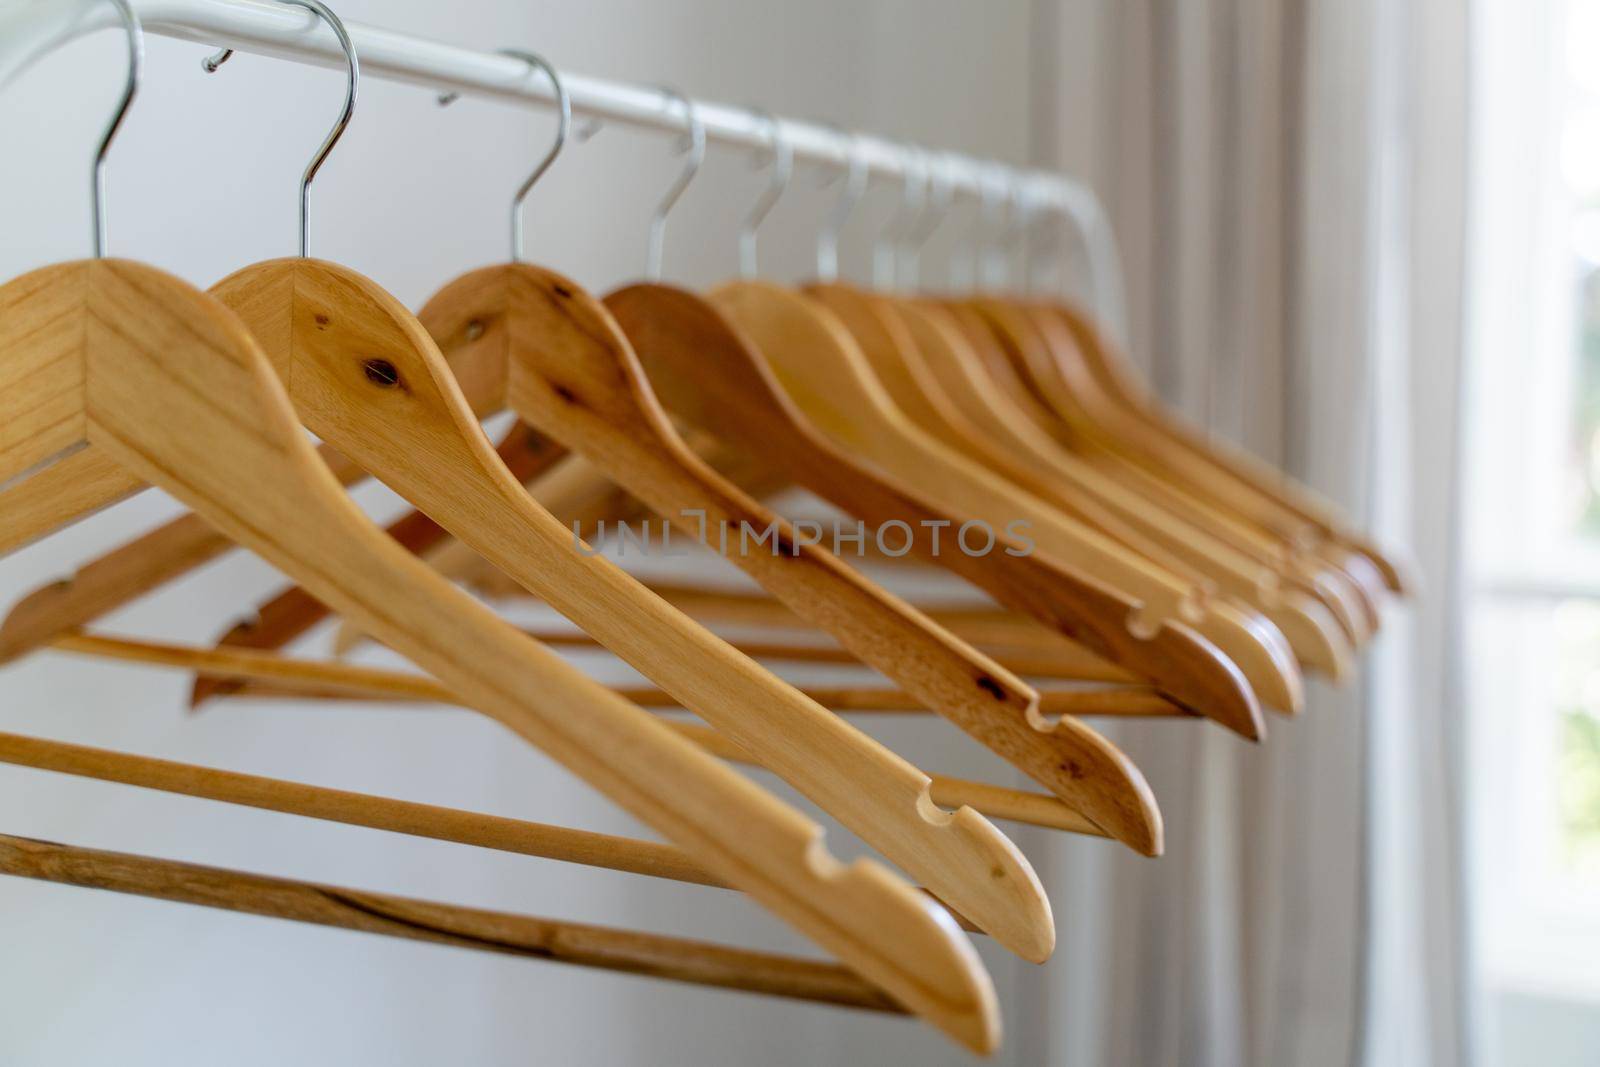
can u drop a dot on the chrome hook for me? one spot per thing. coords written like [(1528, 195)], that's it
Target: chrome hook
[(563, 129), (563, 126), (1015, 231), (695, 153), (939, 193), (97, 172), (782, 155), (886, 249), (855, 186), (353, 67)]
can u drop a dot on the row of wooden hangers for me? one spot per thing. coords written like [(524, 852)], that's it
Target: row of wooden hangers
[(1166, 574)]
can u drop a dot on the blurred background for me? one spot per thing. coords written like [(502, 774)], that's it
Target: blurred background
[(1360, 237)]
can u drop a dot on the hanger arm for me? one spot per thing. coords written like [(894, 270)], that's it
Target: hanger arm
[(293, 612)]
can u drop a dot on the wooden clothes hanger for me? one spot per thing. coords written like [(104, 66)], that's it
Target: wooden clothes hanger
[(1278, 501), (1044, 353), (122, 375), (823, 371), (144, 379), (1245, 562), (1087, 611), (930, 372), (366, 377), (558, 359), (1109, 392)]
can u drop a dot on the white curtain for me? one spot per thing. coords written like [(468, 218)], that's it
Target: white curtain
[(1287, 184)]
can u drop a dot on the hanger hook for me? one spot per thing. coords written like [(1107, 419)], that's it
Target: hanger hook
[(1015, 231), (936, 205), (782, 155), (886, 249), (694, 152), (993, 268), (1053, 252), (563, 126), (97, 172), (353, 80), (855, 186)]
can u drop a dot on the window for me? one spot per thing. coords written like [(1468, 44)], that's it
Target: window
[(1533, 541)]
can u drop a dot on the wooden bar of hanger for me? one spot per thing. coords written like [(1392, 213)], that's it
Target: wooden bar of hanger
[(629, 855), (179, 394), (1099, 702), (320, 678), (553, 940)]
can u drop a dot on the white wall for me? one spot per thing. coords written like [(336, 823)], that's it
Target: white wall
[(202, 182)]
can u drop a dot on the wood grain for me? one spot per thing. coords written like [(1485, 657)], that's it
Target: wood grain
[(368, 378), (816, 361), (551, 940), (178, 391), (324, 679)]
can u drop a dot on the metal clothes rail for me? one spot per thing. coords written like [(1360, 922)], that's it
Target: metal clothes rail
[(31, 29)]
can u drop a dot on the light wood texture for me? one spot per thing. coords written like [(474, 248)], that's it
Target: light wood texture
[(121, 576), (573, 374), (1010, 443), (1036, 360), (366, 377), (1041, 662), (821, 370), (288, 615), (1126, 558), (1167, 447), (173, 387), (552, 940), (629, 855), (650, 858), (324, 680)]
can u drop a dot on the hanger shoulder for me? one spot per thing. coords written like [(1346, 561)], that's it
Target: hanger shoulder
[(176, 390), (815, 359), (708, 374)]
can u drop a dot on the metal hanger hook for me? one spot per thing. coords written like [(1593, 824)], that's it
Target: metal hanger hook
[(563, 126), (695, 155), (983, 224), (353, 81), (855, 186), (939, 193), (97, 172), (886, 248), (1054, 251), (782, 156), (1018, 212)]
